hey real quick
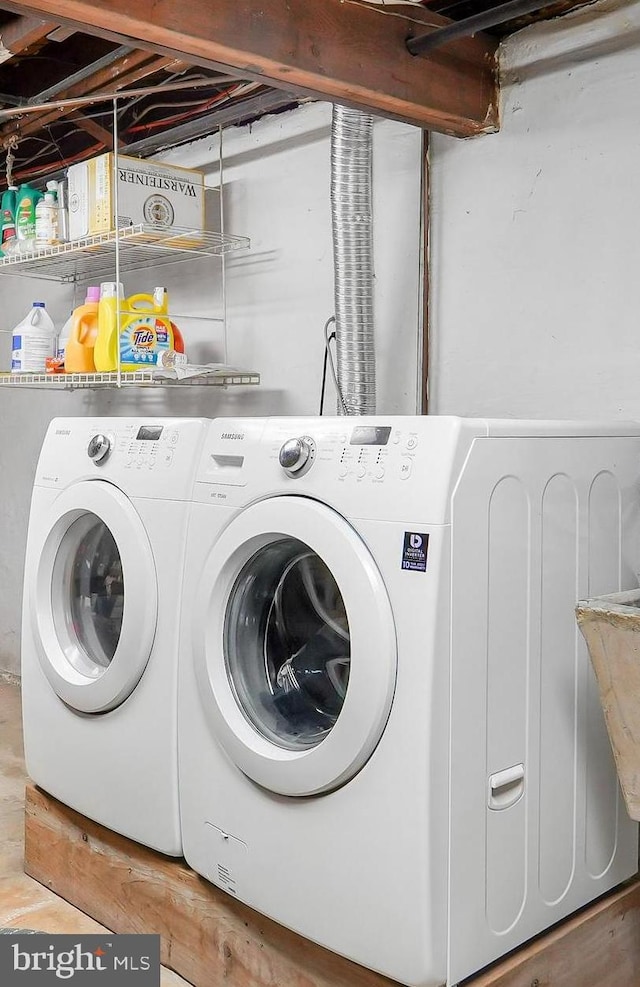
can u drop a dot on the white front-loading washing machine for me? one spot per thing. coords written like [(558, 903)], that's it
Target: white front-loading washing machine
[(102, 592), (390, 739)]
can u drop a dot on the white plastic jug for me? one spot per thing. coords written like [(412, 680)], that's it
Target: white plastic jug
[(34, 339)]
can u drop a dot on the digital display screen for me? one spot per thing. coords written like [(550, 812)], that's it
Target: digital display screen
[(370, 435), (149, 433)]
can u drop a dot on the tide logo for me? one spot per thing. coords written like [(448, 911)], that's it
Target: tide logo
[(144, 338)]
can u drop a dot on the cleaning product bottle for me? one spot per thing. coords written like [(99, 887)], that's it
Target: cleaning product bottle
[(105, 353), (47, 221), (178, 338), (63, 212), (34, 340), (161, 300), (63, 338), (27, 199), (55, 365), (80, 346), (8, 211), (145, 331)]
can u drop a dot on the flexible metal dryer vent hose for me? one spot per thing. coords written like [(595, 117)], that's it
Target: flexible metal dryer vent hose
[(352, 224)]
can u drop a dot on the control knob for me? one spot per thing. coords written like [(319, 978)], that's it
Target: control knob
[(99, 448), (296, 454)]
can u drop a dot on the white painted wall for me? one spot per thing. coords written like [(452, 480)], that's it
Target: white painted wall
[(536, 232), (279, 295)]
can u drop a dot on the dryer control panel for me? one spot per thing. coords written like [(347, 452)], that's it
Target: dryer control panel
[(371, 453)]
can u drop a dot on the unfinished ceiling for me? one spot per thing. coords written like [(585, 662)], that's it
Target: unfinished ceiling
[(43, 62), (47, 56)]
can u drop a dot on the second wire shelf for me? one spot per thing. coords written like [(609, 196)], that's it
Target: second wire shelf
[(140, 247)]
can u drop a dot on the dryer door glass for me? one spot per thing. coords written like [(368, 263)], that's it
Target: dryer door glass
[(287, 644), (89, 569)]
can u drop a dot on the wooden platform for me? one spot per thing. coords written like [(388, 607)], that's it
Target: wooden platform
[(210, 939)]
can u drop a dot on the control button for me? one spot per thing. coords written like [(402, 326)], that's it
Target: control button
[(361, 472), (343, 472), (342, 439), (411, 442), (405, 468), (379, 472), (173, 438), (99, 448), (296, 455), (167, 458), (396, 437)]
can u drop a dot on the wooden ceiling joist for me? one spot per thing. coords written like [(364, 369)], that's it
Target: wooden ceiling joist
[(125, 71), (91, 127), (22, 33), (345, 51)]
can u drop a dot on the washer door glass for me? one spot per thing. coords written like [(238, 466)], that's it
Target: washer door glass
[(92, 595), (88, 566), (287, 644), (294, 644)]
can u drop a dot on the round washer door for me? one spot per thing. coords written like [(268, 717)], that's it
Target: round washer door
[(294, 646), (94, 597)]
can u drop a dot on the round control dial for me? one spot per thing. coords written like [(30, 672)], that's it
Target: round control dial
[(297, 455), (99, 448)]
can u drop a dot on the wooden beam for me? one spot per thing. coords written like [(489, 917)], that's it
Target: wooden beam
[(23, 33), (206, 936), (91, 127), (210, 938), (125, 71), (61, 34), (341, 50)]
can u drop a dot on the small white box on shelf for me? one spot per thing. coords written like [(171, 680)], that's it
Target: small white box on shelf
[(149, 193)]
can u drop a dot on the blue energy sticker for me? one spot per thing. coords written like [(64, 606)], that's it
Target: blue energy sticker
[(414, 551)]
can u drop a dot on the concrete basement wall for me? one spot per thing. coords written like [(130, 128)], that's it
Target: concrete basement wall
[(279, 295), (536, 232)]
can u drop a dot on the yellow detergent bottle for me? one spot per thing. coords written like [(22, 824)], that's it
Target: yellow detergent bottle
[(145, 329)]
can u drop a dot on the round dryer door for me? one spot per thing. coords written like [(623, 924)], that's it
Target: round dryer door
[(94, 597), (295, 646)]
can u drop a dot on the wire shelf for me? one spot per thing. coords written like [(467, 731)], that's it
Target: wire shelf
[(218, 377), (140, 247)]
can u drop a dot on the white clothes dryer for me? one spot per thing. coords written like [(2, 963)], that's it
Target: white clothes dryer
[(102, 593), (390, 738)]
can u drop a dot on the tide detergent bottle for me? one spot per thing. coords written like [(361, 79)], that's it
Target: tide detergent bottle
[(83, 332), (145, 329)]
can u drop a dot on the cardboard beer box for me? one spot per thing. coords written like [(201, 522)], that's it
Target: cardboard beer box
[(151, 193)]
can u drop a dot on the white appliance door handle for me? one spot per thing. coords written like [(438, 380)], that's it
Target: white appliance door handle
[(506, 787)]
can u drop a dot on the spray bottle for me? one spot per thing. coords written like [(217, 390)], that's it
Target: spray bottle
[(8, 211), (27, 199)]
